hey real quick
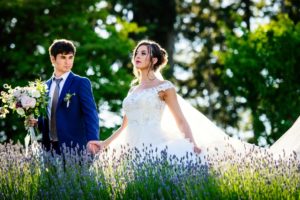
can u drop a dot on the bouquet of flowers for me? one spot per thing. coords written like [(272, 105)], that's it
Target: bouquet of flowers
[(28, 102)]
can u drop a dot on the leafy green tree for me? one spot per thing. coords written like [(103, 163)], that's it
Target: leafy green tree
[(262, 70), (202, 25), (28, 28), (157, 17), (292, 8), (271, 8)]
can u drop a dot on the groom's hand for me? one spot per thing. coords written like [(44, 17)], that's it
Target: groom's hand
[(93, 146), (32, 122)]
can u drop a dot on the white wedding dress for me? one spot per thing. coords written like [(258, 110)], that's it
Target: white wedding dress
[(151, 125)]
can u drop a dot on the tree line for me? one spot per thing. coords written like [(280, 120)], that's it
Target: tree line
[(228, 68)]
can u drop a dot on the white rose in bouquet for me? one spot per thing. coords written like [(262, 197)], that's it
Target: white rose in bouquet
[(17, 92), (35, 93), (20, 111), (28, 102)]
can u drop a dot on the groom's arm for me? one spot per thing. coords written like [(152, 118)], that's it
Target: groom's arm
[(89, 110)]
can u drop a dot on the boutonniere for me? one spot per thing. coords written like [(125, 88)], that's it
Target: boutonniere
[(68, 98)]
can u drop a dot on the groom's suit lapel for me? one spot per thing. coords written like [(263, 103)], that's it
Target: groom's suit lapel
[(66, 87), (48, 83)]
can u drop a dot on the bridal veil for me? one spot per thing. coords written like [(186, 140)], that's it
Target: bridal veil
[(211, 138)]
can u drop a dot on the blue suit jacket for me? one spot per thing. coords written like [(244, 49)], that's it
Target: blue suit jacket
[(78, 123)]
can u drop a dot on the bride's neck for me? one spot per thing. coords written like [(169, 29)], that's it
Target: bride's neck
[(146, 79)]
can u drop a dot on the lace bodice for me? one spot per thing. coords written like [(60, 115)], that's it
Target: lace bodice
[(145, 107)]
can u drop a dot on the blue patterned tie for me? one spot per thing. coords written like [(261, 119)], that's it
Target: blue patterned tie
[(53, 131)]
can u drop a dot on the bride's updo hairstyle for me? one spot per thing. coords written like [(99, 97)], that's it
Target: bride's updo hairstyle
[(155, 51)]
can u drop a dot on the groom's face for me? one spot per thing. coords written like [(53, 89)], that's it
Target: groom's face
[(62, 63)]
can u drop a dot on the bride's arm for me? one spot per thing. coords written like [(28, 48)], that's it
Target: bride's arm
[(106, 142), (170, 97)]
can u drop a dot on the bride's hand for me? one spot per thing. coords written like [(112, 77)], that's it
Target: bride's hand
[(197, 149)]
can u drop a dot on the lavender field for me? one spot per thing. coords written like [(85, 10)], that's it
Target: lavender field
[(143, 175)]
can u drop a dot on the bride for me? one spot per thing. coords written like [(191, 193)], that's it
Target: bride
[(156, 116)]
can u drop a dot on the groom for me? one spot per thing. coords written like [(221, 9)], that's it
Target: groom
[(72, 119)]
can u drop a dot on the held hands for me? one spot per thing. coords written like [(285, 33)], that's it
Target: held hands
[(95, 146)]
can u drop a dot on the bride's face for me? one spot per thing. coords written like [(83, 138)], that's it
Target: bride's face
[(142, 58)]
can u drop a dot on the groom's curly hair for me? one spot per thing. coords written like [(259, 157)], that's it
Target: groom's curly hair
[(62, 46)]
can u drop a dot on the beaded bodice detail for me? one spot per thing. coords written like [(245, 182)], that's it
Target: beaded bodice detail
[(145, 107)]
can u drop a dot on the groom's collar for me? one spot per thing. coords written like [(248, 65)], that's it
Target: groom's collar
[(64, 76)]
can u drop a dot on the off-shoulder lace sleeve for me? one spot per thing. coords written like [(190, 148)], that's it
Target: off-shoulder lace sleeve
[(164, 86)]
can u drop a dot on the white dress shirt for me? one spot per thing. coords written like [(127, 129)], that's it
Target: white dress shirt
[(52, 88)]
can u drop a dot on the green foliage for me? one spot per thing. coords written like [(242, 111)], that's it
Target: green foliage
[(263, 68), (159, 22), (28, 28), (202, 25), (289, 7)]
